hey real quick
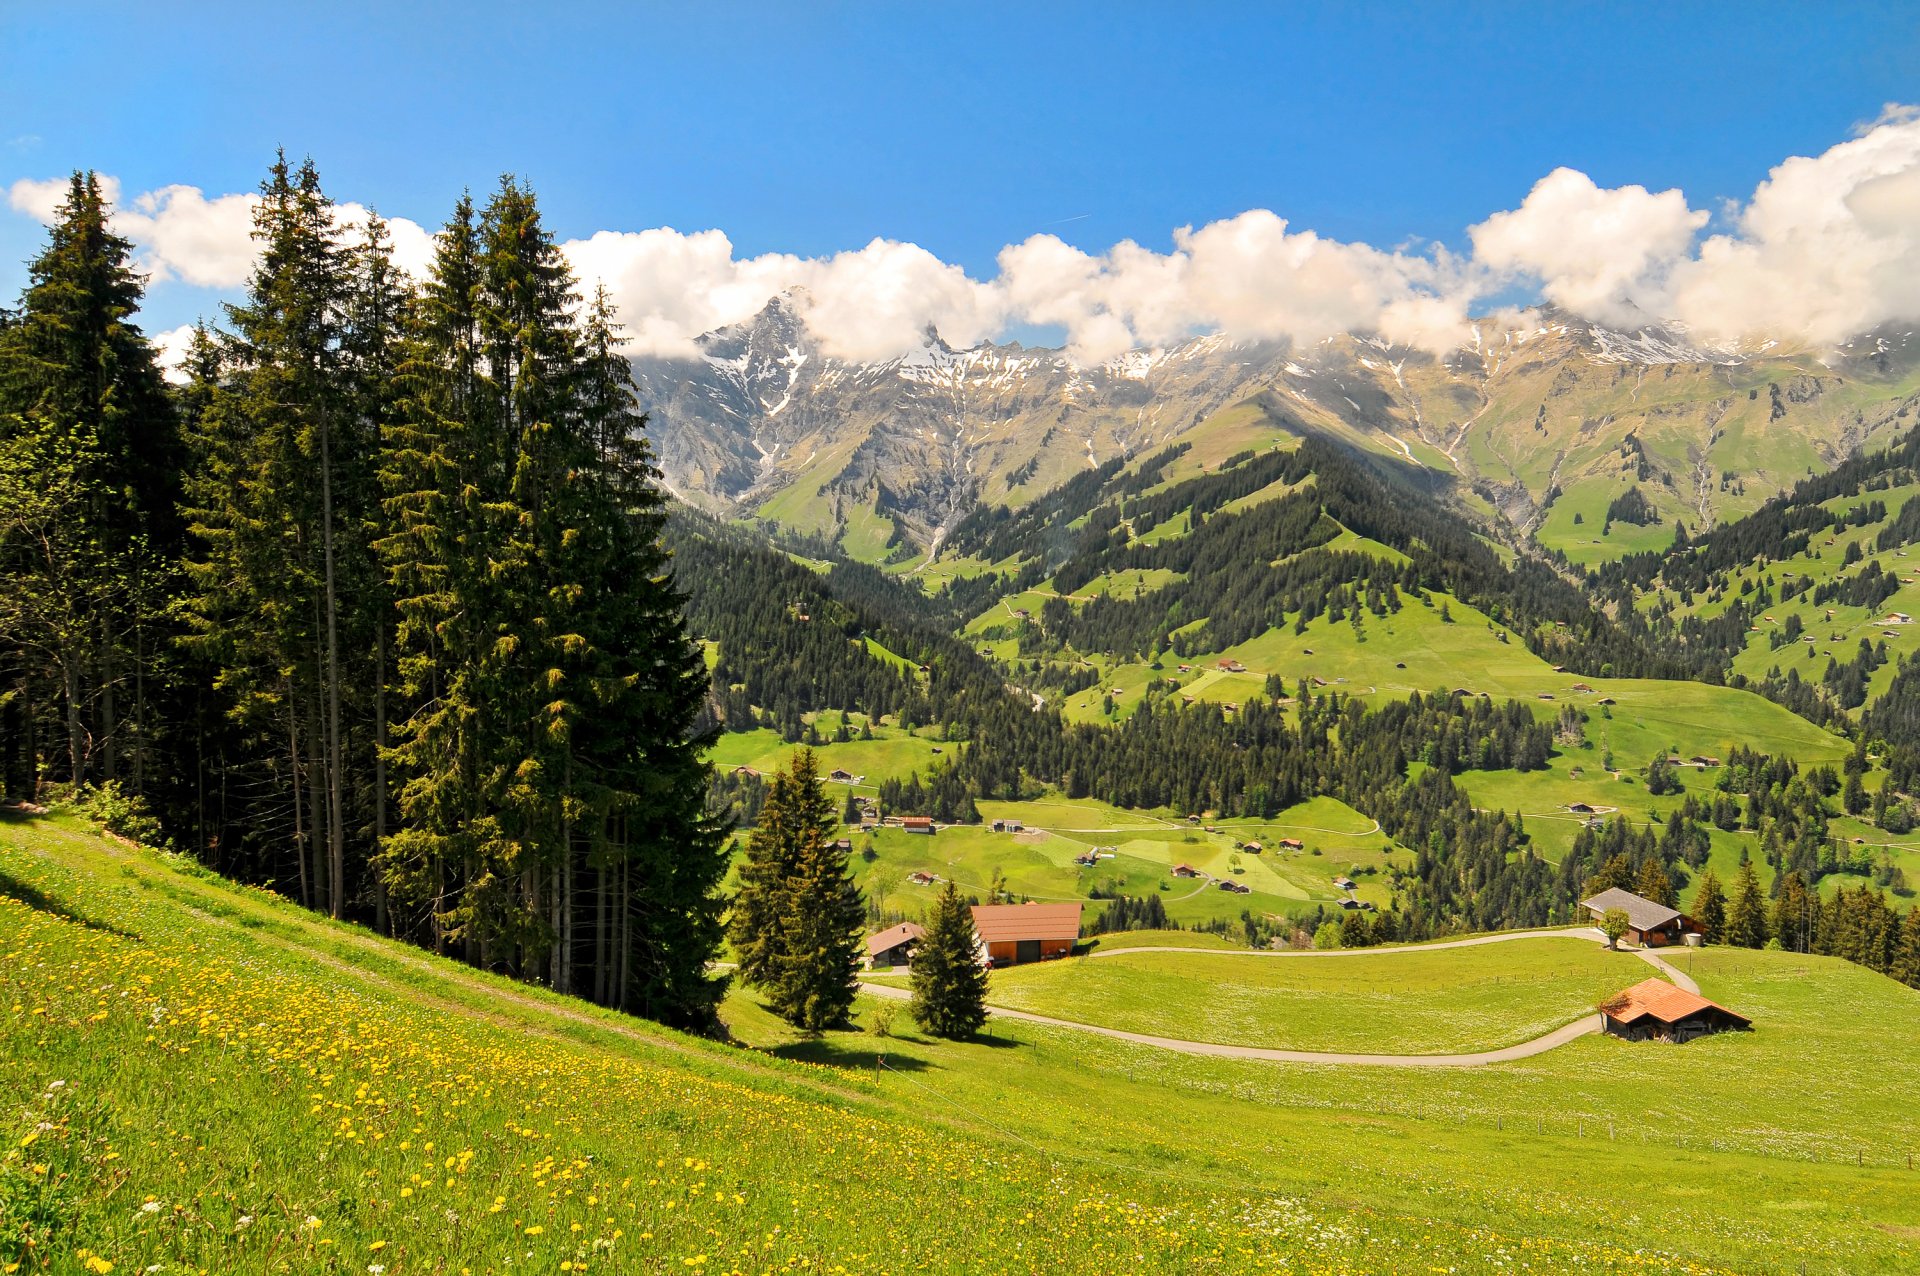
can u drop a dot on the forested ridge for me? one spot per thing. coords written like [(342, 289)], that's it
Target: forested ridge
[(373, 608)]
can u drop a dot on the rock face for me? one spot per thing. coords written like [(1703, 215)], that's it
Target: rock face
[(886, 456)]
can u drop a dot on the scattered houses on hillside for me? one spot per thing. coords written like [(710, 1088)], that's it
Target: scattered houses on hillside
[(1655, 1010), (894, 945), (1014, 934), (1649, 924)]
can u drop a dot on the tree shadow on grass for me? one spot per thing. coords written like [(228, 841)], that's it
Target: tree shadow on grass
[(35, 898), (854, 1051)]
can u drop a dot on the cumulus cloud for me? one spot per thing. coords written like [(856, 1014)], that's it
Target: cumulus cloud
[(1604, 254), (871, 303), (179, 233), (1827, 246)]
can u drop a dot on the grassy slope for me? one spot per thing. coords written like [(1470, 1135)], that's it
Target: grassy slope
[(240, 1059), (1411, 1001), (293, 1095)]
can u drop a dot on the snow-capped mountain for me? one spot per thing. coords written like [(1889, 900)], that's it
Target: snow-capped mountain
[(761, 421)]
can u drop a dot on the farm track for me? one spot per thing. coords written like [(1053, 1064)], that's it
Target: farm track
[(1581, 1027)]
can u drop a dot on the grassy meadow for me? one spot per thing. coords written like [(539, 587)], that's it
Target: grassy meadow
[(1408, 1001), (202, 1077)]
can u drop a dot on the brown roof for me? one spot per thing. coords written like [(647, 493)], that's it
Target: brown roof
[(893, 937), (1642, 913), (916, 821), (1657, 999), (1004, 923)]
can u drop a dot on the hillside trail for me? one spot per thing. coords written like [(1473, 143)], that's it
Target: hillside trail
[(1586, 1025)]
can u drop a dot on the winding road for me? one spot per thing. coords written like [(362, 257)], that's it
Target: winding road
[(1583, 1026)]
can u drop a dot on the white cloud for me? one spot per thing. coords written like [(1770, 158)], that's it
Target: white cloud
[(868, 304), (170, 352), (1826, 247), (179, 233), (1604, 254)]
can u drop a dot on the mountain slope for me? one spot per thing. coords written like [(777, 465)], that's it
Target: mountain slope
[(1543, 423)]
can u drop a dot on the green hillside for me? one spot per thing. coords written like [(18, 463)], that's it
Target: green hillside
[(289, 1092)]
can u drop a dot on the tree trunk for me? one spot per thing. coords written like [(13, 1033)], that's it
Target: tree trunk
[(299, 830), (76, 753), (336, 822), (382, 922), (316, 802), (600, 936), (109, 709)]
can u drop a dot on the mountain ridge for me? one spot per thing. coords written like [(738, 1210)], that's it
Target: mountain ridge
[(885, 457)]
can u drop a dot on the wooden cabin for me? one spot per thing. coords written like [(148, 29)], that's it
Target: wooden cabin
[(1649, 924), (1015, 934), (1655, 1010), (894, 945)]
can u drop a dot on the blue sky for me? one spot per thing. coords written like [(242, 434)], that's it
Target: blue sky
[(960, 128)]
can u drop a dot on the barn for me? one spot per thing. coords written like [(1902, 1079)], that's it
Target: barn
[(894, 945), (1648, 923), (1014, 934), (1655, 1010)]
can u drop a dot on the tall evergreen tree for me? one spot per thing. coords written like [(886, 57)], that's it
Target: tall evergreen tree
[(1747, 915), (797, 918), (818, 972), (1655, 884), (1710, 908), (276, 537), (552, 784), (949, 979), (89, 471)]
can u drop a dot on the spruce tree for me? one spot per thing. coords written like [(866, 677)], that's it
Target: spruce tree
[(815, 969), (1905, 965), (755, 922), (1710, 908), (1747, 915), (949, 979), (1655, 884), (90, 464)]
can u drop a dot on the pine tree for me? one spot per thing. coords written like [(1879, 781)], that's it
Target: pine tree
[(1710, 908), (1794, 915), (1655, 884), (90, 464), (1747, 915), (270, 507), (949, 979), (1905, 965), (553, 786), (815, 970), (1617, 872)]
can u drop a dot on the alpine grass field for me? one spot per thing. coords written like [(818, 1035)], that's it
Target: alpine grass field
[(206, 1077), (1235, 692)]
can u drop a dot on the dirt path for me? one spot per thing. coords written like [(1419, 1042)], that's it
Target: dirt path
[(1581, 1027)]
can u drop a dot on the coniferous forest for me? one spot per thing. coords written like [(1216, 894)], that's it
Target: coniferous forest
[(373, 608)]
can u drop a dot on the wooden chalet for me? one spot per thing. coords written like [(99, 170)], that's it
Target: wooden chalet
[(1007, 826), (1185, 870), (1014, 934), (1649, 924), (1292, 844), (1655, 1010), (894, 945), (1232, 666), (917, 824)]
